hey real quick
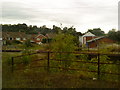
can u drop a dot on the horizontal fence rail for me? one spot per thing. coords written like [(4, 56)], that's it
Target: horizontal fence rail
[(98, 63), (10, 50)]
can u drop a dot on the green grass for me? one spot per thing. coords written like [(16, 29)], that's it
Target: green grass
[(39, 78), (32, 79), (22, 47)]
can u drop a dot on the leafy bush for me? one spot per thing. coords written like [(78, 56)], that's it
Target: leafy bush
[(28, 43), (114, 48), (63, 43), (46, 40), (109, 48), (84, 57), (8, 42), (16, 42), (26, 59)]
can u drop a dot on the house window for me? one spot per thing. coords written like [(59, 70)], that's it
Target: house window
[(24, 38), (17, 38), (10, 38), (7, 38), (38, 38), (0, 38)]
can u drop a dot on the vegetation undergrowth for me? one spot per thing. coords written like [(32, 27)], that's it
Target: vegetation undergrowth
[(58, 77)]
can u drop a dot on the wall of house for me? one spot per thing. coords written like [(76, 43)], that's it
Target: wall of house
[(22, 37), (92, 44), (103, 40), (86, 38), (38, 38), (91, 37)]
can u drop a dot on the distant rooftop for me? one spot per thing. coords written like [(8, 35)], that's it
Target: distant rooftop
[(95, 39), (14, 34), (88, 34)]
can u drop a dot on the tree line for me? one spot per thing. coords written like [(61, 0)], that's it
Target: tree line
[(33, 29)]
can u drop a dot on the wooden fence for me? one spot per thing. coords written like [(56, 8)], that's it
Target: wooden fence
[(88, 53)]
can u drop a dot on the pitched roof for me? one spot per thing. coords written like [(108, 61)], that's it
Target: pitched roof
[(40, 35), (20, 35), (95, 39), (36, 35), (88, 34), (14, 34), (50, 35)]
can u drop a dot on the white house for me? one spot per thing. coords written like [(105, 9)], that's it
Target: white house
[(88, 36)]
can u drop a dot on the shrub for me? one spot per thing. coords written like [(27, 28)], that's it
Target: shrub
[(114, 48), (26, 59), (109, 48), (63, 43), (8, 42), (84, 56), (28, 43), (46, 40), (16, 42)]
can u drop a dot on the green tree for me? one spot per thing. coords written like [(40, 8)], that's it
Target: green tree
[(27, 43), (46, 40), (118, 36), (65, 30), (72, 30), (64, 43), (56, 29), (96, 31), (114, 35)]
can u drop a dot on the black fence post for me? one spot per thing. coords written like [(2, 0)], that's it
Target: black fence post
[(12, 64), (48, 62), (98, 66)]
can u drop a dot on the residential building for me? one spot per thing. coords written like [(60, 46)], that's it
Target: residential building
[(92, 41), (96, 42), (37, 38), (21, 36), (88, 36)]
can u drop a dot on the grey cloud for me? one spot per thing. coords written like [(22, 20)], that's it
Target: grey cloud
[(12, 10), (79, 12)]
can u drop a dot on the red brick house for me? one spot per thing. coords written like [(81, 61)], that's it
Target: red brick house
[(88, 36), (21, 36), (93, 43), (37, 38)]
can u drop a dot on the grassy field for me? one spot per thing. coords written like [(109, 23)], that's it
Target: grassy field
[(22, 47), (38, 77)]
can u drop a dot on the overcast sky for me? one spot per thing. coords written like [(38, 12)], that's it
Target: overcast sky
[(82, 14)]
